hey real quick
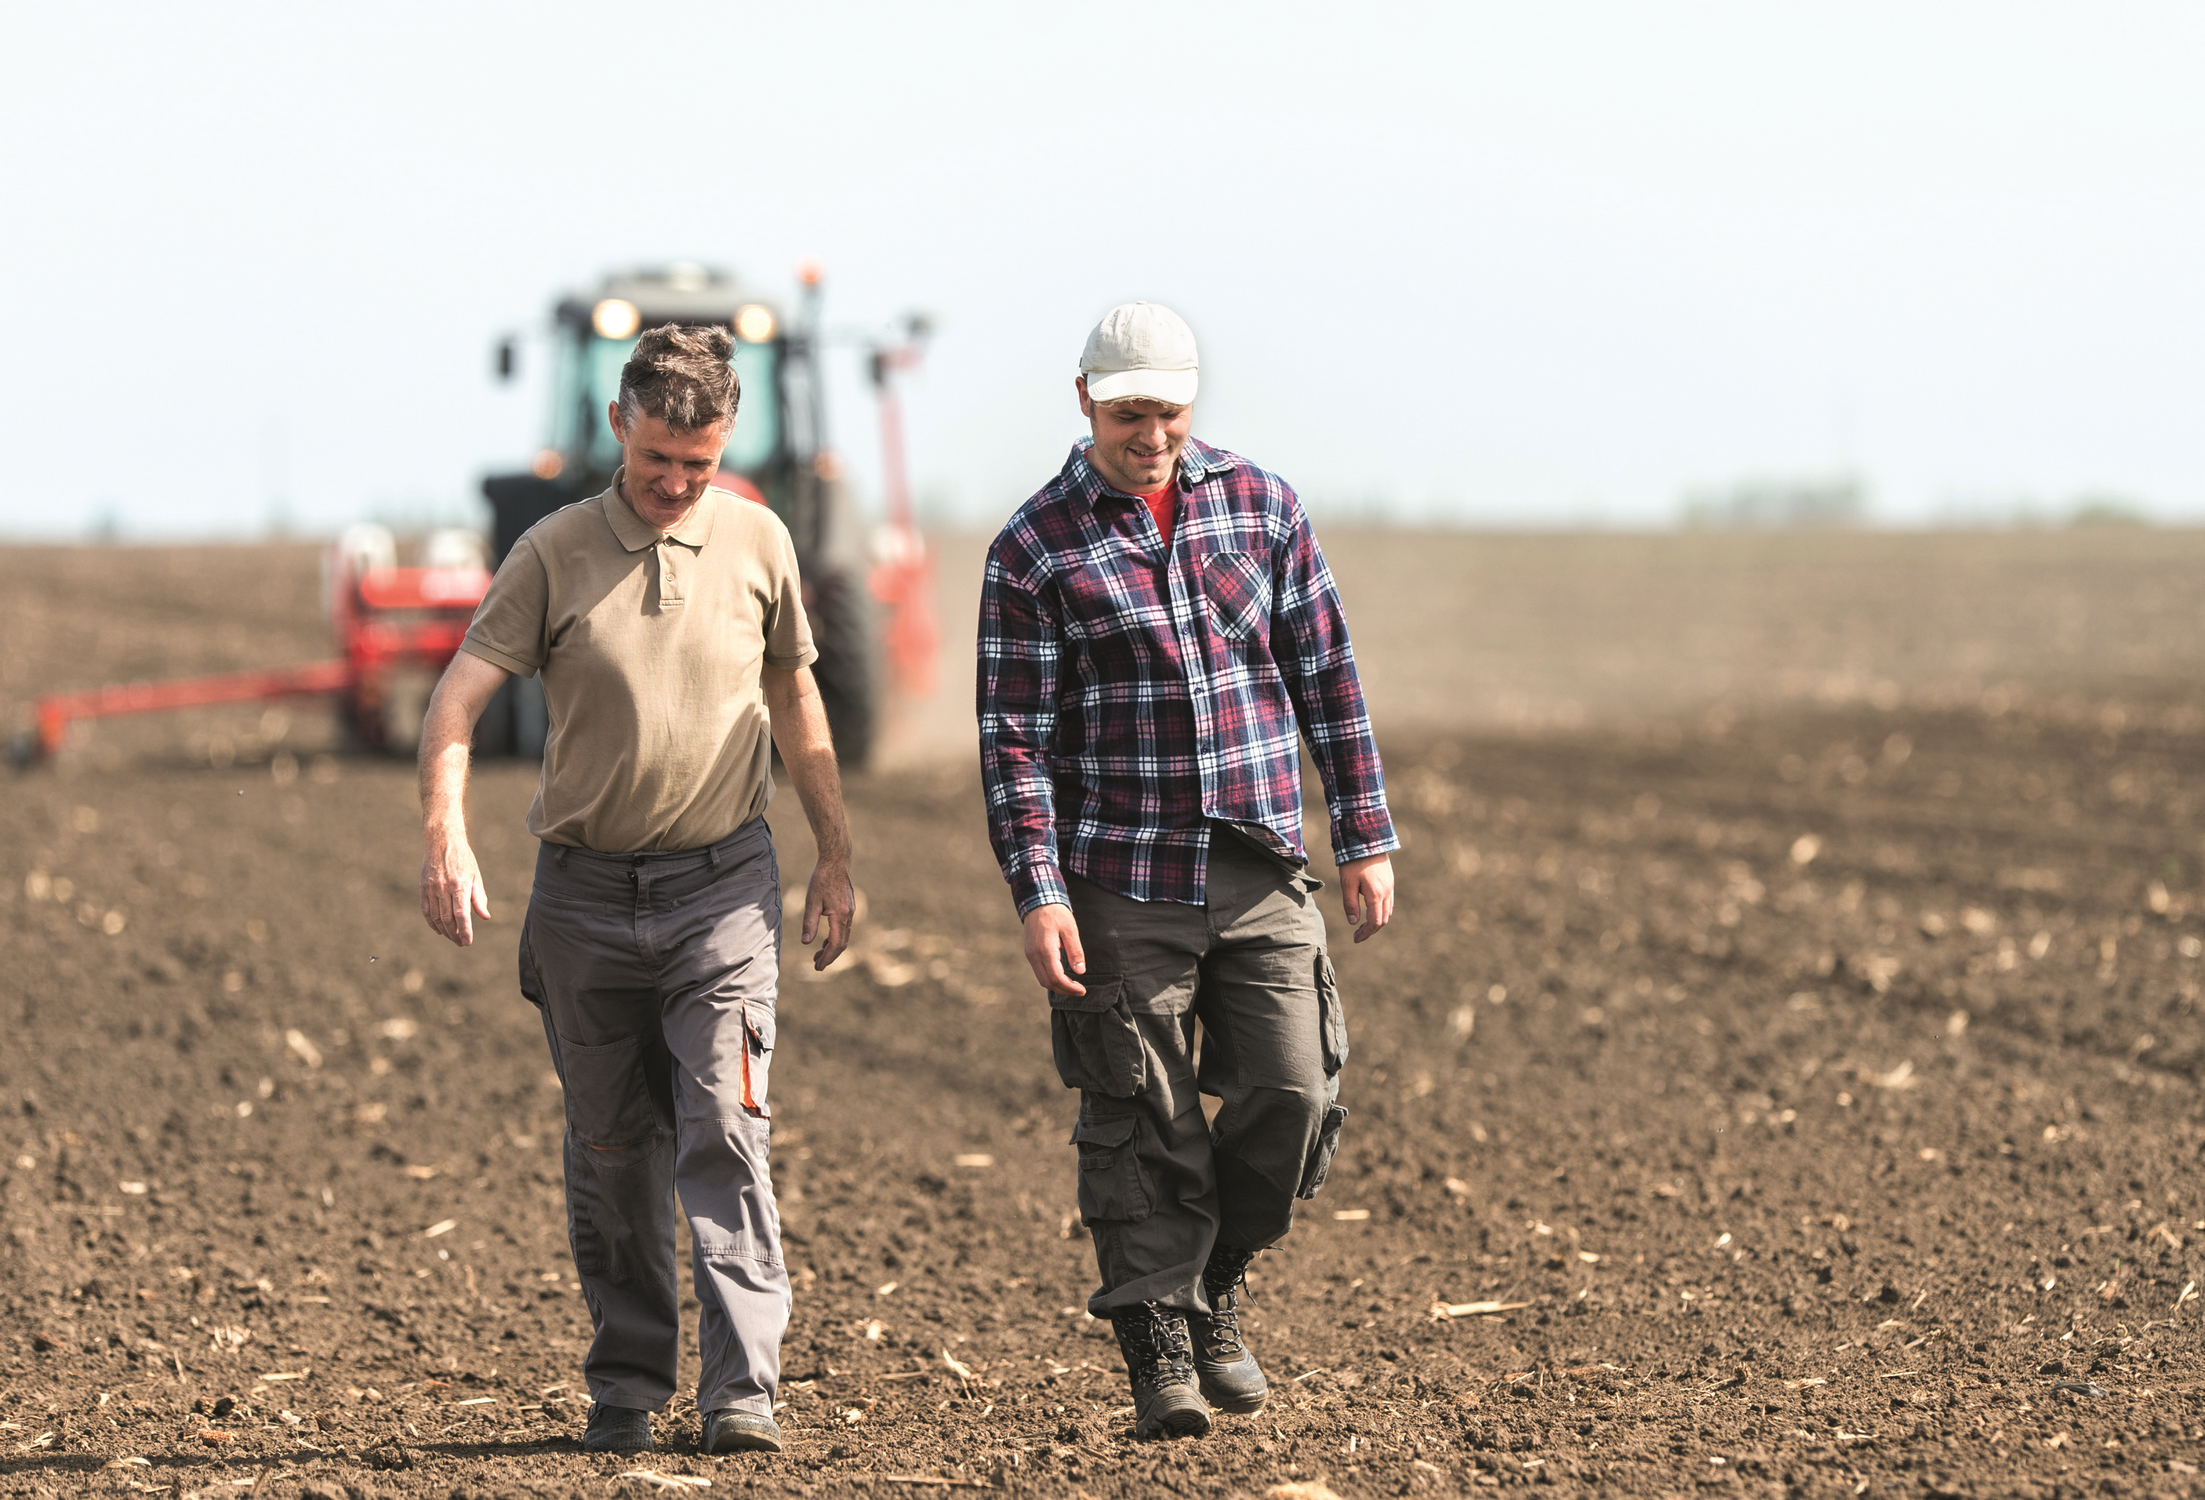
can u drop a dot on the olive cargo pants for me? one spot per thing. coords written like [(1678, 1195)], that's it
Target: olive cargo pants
[(1157, 1186), (656, 976)]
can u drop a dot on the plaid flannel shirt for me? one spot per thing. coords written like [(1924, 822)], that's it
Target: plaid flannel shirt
[(1127, 698)]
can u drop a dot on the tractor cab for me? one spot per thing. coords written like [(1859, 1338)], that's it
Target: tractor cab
[(596, 335)]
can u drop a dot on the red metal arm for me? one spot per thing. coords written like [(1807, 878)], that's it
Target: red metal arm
[(384, 617), (56, 711)]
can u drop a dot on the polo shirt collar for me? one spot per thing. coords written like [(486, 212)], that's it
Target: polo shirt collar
[(635, 533), (1197, 462)]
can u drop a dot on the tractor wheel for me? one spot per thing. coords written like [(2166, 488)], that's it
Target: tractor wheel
[(404, 706), (514, 723), (848, 669)]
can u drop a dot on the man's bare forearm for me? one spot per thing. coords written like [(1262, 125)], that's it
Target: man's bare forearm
[(444, 761), (819, 789), (808, 750), (452, 893), (447, 729)]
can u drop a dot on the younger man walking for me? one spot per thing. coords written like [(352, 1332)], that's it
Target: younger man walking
[(1158, 634)]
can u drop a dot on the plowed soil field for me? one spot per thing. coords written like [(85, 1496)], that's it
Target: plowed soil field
[(1782, 1078)]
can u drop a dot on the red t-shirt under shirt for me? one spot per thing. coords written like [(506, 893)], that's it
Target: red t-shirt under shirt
[(1164, 506)]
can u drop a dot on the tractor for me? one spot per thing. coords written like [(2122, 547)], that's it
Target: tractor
[(398, 627)]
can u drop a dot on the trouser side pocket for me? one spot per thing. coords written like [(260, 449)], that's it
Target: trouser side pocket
[(1097, 1043), (1331, 1018), (1112, 1186), (1321, 1154), (532, 983), (1333, 1039)]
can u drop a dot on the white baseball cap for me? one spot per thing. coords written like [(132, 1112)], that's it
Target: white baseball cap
[(1141, 351)]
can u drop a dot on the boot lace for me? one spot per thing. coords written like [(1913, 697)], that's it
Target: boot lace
[(1224, 1278), (1156, 1344)]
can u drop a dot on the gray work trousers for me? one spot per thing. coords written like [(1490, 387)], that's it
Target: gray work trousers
[(656, 976), (1157, 1186)]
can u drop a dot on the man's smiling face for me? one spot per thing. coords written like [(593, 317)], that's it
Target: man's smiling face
[(668, 469), (1137, 441)]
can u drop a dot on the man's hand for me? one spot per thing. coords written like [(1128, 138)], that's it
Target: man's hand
[(452, 892), (1366, 890), (830, 902), (808, 750), (1053, 948)]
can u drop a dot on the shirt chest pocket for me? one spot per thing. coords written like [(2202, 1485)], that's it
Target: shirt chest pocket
[(1236, 589)]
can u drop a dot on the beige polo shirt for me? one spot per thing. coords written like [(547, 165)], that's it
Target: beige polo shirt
[(650, 648)]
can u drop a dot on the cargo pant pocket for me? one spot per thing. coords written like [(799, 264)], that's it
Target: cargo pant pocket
[(758, 1029), (1111, 1183), (1097, 1043), (1333, 1043), (1331, 1018), (1321, 1154), (608, 1089), (532, 983)]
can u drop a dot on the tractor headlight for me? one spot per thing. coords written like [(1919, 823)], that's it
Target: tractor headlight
[(754, 324), (615, 318)]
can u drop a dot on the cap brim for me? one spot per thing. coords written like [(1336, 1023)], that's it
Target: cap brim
[(1175, 387)]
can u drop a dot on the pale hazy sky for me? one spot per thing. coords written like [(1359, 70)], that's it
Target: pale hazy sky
[(1533, 263)]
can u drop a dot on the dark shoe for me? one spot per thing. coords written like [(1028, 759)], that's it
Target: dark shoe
[(1231, 1379), (731, 1431), (617, 1429), (1160, 1362)]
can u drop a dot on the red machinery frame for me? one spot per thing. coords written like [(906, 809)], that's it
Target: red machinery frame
[(903, 572), (386, 619)]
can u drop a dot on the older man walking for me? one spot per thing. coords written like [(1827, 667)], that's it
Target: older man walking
[(665, 619), (1158, 632)]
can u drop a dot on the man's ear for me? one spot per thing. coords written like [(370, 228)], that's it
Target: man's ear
[(1087, 407), (619, 423)]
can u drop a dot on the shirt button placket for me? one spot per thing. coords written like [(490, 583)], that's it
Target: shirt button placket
[(1193, 667)]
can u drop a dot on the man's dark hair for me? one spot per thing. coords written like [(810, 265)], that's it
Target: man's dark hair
[(681, 376)]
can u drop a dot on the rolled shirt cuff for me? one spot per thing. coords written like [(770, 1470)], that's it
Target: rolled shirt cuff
[(1364, 837), (1038, 884)]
